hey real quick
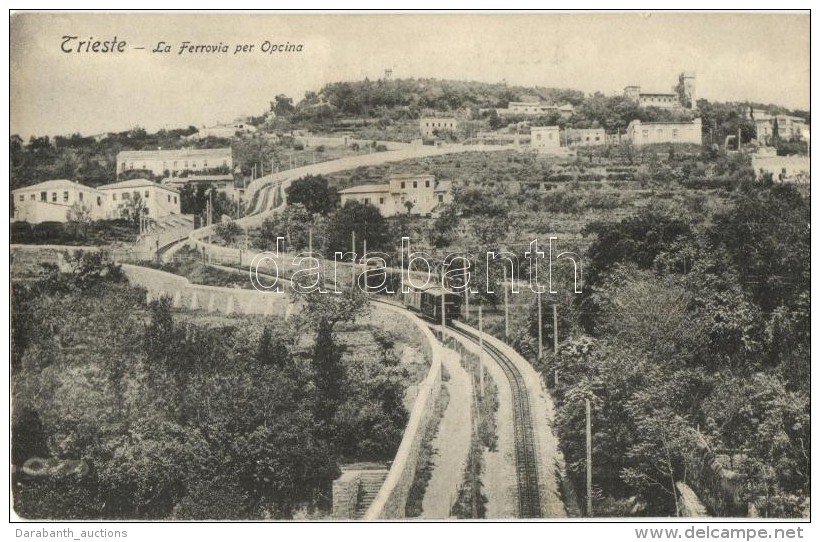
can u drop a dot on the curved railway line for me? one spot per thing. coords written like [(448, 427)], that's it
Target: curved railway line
[(526, 457)]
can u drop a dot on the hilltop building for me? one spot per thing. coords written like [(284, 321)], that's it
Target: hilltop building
[(407, 193), (585, 137), (174, 162), (535, 108), (647, 133), (225, 131), (788, 128), (681, 97), (432, 126)]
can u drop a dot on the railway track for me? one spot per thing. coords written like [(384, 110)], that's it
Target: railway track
[(526, 459)]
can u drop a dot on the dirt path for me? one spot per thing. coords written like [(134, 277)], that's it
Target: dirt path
[(451, 444)]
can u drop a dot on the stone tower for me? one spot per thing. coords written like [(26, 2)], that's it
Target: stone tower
[(632, 92), (686, 86)]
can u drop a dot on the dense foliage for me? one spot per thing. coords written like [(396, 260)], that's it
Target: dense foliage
[(182, 418), (696, 339)]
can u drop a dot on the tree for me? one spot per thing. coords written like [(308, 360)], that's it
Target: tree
[(313, 193), (293, 224), (364, 220), (133, 209), (282, 105), (79, 216), (228, 231)]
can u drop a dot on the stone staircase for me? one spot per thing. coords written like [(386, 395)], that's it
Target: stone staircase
[(356, 489), (370, 483)]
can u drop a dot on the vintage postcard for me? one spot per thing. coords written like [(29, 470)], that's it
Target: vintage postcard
[(394, 266)]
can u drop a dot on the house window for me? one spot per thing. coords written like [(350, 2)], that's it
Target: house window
[(99, 201), (402, 185), (65, 195), (33, 197), (204, 163), (113, 196), (169, 198), (145, 211), (136, 195), (415, 184), (441, 198), (381, 201), (366, 201), (123, 166), (427, 184), (126, 195), (224, 162), (193, 165), (54, 197), (131, 165), (22, 197), (538, 137), (146, 194), (175, 199), (81, 196)]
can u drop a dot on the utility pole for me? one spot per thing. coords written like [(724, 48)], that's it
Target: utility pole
[(555, 336), (540, 331), (480, 355), (364, 260), (506, 307), (310, 240), (443, 318), (589, 458), (353, 250)]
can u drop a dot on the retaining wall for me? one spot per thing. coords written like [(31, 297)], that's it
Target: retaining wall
[(391, 500), (208, 298)]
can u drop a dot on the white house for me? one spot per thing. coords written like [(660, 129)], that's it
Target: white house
[(50, 201), (430, 126), (647, 133), (227, 131), (159, 200), (174, 162), (545, 138), (421, 193), (794, 169)]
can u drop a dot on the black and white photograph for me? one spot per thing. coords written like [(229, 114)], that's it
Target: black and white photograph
[(410, 266)]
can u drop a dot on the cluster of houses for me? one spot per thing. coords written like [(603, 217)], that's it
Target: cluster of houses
[(53, 201)]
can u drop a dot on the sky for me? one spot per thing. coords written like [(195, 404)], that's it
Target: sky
[(760, 57)]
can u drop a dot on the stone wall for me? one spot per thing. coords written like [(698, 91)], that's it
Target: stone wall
[(391, 500), (209, 298)]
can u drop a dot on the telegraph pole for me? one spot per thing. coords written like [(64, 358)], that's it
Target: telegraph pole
[(589, 458), (480, 355), (353, 250), (555, 337), (443, 319), (506, 307), (540, 331)]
